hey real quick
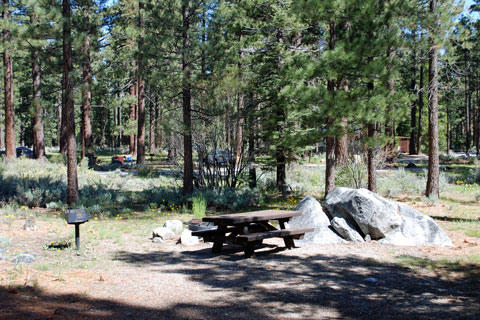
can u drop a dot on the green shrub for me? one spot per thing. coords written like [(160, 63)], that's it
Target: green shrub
[(199, 207)]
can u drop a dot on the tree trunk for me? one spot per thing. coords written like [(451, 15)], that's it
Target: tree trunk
[(371, 165), (152, 125), (63, 122), (468, 134), (59, 116), (186, 101), (38, 132), (252, 172), (341, 143), (390, 121), (280, 157), (413, 110), (87, 148), (449, 129), (330, 140), (10, 144), (72, 189), (141, 93), (2, 132), (420, 111), (477, 120), (433, 152), (133, 117)]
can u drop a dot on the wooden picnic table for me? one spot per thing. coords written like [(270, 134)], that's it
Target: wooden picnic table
[(250, 228)]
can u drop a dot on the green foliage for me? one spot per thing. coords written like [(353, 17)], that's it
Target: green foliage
[(199, 207)]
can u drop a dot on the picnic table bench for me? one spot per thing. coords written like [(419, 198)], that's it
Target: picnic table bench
[(250, 228)]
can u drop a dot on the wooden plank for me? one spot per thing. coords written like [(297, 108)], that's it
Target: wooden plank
[(219, 238), (254, 216), (288, 240), (201, 233), (274, 234)]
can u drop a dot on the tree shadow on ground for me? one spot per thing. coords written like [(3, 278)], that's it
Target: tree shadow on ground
[(274, 285), (453, 219)]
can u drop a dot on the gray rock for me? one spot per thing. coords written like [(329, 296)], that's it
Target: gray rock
[(313, 216), (397, 238), (421, 229), (187, 239), (164, 233), (373, 214), (385, 220), (176, 226), (346, 229), (24, 258), (2, 254), (157, 240)]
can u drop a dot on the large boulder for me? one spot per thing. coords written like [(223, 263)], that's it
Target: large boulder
[(372, 214), (313, 216), (421, 229), (383, 219)]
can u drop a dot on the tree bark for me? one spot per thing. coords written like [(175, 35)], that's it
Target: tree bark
[(10, 144), (133, 117), (186, 100), (59, 115), (252, 172), (468, 132), (87, 148), (371, 165), (433, 152), (390, 121), (420, 111), (38, 131), (330, 140), (151, 141), (141, 92), (413, 110), (72, 189)]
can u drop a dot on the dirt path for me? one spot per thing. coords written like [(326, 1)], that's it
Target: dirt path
[(144, 280)]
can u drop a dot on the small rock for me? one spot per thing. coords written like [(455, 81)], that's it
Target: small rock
[(346, 229), (176, 226), (371, 280), (187, 239), (367, 238), (24, 258), (164, 233), (157, 240)]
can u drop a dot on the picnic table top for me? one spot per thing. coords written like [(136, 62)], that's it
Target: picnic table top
[(254, 216)]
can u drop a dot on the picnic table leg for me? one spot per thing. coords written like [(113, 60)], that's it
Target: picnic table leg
[(288, 240), (219, 239)]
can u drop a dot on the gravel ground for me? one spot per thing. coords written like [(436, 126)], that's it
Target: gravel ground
[(144, 280)]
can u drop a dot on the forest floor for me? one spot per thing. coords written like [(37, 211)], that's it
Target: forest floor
[(121, 274)]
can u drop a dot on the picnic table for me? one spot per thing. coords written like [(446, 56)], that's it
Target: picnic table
[(250, 228)]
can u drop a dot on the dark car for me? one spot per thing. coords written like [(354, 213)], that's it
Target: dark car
[(24, 152), (220, 157)]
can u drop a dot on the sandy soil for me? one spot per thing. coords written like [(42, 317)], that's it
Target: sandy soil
[(145, 280)]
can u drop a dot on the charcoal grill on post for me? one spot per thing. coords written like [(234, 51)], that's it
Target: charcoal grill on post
[(76, 217)]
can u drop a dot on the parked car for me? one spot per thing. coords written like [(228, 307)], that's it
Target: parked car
[(24, 152), (220, 157)]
